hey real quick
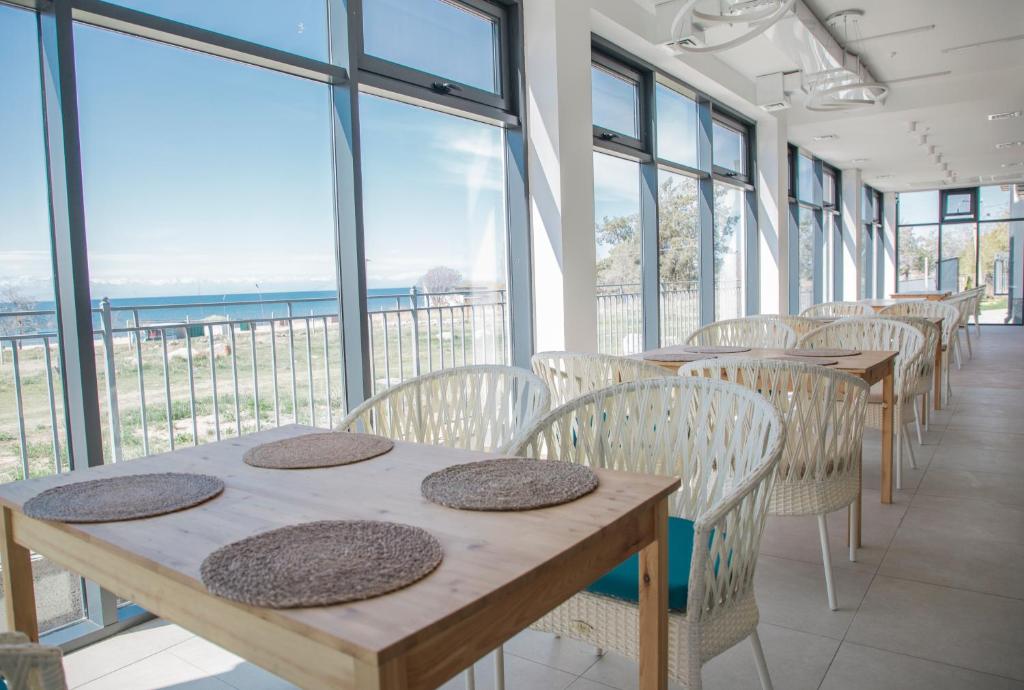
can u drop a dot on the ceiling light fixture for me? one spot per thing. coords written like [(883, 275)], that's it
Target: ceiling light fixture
[(826, 137), (848, 87), (696, 17), (860, 160), (995, 117), (1009, 144), (1017, 164), (901, 32), (982, 44), (917, 77)]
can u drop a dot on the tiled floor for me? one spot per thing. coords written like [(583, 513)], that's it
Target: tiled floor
[(935, 600)]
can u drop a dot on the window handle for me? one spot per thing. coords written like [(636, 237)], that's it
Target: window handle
[(608, 136), (445, 87)]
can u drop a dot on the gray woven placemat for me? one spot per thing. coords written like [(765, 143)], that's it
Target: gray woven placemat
[(716, 349), (673, 354), (321, 563), (317, 450), (123, 498), (821, 352), (508, 484), (820, 361)]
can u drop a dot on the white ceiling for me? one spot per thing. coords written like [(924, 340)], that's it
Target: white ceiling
[(951, 109)]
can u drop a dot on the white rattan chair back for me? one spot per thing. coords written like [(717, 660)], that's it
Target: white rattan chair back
[(28, 666), (866, 333), (927, 309), (823, 410), (473, 408), (801, 325), (838, 310), (752, 331), (569, 375), (932, 335), (722, 440)]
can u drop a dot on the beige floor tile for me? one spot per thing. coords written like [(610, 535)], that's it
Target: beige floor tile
[(967, 518), (994, 486), (227, 667), (618, 672), (796, 661), (563, 653), (123, 650), (862, 668), (163, 671), (980, 632), (981, 438), (792, 594), (520, 674), (967, 457)]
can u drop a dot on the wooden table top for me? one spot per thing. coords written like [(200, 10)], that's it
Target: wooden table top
[(879, 304), (870, 365), (918, 294), (487, 555)]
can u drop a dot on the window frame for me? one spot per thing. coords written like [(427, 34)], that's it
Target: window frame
[(619, 141), (972, 216)]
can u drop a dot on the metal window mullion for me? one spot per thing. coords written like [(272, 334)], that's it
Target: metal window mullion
[(71, 261), (818, 260), (752, 264), (649, 255), (706, 213), (793, 257)]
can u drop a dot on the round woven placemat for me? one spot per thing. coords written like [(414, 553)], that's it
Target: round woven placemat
[(820, 361), (508, 484), (123, 498), (674, 355), (317, 450), (321, 563), (822, 352), (716, 349)]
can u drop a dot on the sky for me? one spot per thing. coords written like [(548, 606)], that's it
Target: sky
[(205, 176)]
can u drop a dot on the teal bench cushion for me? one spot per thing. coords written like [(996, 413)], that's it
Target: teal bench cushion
[(622, 581)]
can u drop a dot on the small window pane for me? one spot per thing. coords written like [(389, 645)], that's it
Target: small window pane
[(806, 255), (805, 179), (614, 100), (958, 205), (918, 254), (677, 127), (442, 38), (959, 257), (828, 189), (296, 26), (678, 256), (617, 230), (878, 207), (729, 150), (919, 208), (995, 202), (729, 251)]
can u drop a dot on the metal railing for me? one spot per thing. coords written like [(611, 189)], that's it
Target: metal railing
[(620, 315)]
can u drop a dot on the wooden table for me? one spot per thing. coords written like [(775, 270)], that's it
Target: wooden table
[(870, 366), (500, 573), (931, 295)]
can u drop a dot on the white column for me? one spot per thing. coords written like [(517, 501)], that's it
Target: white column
[(561, 174), (773, 214), (889, 233), (852, 234)]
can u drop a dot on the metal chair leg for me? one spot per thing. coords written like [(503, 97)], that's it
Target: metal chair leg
[(917, 422), (762, 665), (826, 559), (499, 668)]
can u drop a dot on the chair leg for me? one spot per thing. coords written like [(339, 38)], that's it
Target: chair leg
[(499, 668), (470, 677), (854, 516), (956, 350), (898, 460), (826, 559), (928, 406), (917, 422), (598, 651), (967, 334), (762, 665), (910, 447)]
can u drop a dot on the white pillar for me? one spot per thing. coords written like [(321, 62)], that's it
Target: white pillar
[(561, 174), (773, 213), (852, 233), (889, 235)]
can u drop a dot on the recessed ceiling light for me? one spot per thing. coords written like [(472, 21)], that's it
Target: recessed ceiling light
[(1009, 144), (826, 137), (1004, 116), (884, 177), (860, 160), (1018, 164)]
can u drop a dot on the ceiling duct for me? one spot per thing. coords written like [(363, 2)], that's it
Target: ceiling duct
[(848, 86), (707, 26)]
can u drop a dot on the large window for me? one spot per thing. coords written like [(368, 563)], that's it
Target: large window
[(617, 227), (815, 230), (959, 257), (678, 256), (918, 251), (729, 251), (677, 127), (807, 240)]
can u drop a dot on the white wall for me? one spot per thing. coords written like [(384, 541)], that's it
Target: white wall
[(852, 234), (889, 233), (772, 178)]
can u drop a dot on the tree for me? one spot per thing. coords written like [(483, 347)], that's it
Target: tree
[(439, 279), (13, 301)]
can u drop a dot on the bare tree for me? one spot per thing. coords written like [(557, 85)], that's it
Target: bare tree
[(14, 302), (439, 279)]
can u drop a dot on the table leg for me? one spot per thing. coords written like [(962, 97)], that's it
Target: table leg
[(937, 393), (888, 411), (20, 599), (654, 605)]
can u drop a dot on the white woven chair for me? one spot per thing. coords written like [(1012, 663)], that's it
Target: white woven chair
[(978, 297), (569, 375), (929, 309), (751, 331), (474, 408), (926, 367), (868, 333), (838, 310), (824, 412), (28, 666), (482, 407), (801, 325), (964, 304), (724, 441)]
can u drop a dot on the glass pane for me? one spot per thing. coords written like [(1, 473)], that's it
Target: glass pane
[(442, 38), (918, 207), (677, 127), (958, 206), (296, 26), (33, 442), (617, 231), (828, 257), (729, 148), (614, 100), (999, 254), (806, 254), (866, 261), (877, 207), (828, 189), (729, 250), (805, 179), (208, 198), (994, 202), (444, 243), (959, 257), (918, 257), (678, 256)]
